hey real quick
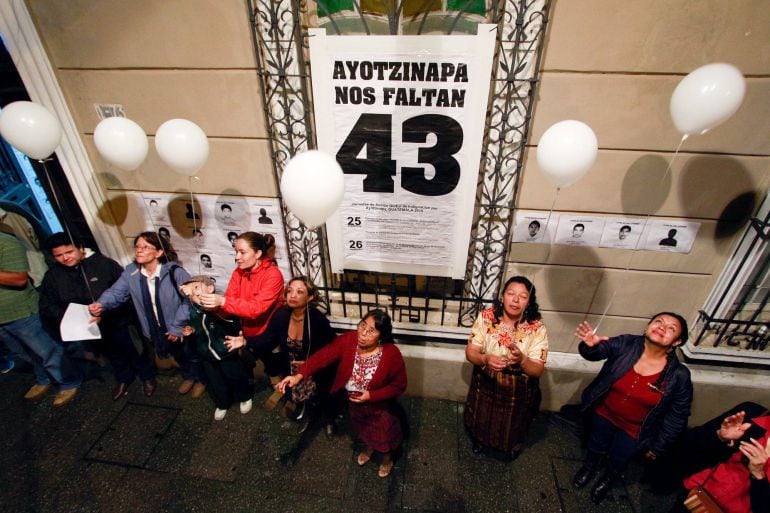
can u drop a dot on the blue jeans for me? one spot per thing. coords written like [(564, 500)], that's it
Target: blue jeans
[(608, 440), (47, 355)]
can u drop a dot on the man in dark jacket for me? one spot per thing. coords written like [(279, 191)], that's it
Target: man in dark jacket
[(80, 276), (640, 400)]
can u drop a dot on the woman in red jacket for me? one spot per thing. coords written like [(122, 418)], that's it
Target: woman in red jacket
[(372, 371), (254, 293)]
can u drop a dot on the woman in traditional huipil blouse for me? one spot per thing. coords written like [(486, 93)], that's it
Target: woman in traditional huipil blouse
[(371, 369), (508, 347)]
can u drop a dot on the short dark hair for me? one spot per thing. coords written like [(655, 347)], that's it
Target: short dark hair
[(159, 242), (625, 228), (535, 222), (382, 324), (226, 206), (62, 239), (579, 225)]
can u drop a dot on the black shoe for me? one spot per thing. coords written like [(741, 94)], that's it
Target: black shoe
[(477, 448), (603, 486), (149, 386), (584, 475), (120, 390)]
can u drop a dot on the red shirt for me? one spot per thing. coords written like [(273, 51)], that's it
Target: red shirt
[(628, 402)]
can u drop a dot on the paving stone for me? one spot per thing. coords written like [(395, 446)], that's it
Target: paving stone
[(133, 436), (166, 454)]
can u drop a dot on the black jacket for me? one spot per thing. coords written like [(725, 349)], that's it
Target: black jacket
[(316, 334), (64, 285), (668, 419)]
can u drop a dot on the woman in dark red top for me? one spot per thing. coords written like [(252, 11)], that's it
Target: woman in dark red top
[(372, 371)]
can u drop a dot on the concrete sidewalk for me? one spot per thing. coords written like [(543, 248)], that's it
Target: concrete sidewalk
[(167, 454)]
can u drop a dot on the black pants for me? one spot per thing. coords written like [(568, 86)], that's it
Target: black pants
[(127, 362), (228, 381), (275, 363)]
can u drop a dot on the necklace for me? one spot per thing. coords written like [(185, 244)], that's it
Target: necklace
[(297, 319)]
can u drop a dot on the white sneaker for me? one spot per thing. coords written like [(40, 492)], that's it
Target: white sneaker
[(246, 407), (219, 414)]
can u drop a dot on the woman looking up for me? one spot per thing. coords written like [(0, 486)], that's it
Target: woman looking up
[(508, 348), (152, 283), (371, 369), (253, 294), (300, 330)]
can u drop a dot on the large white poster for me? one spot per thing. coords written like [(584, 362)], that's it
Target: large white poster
[(404, 117)]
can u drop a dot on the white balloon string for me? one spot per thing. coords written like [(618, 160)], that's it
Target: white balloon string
[(305, 243), (644, 232), (547, 235), (149, 215), (550, 212), (196, 242), (152, 222), (604, 314), (649, 212), (65, 224)]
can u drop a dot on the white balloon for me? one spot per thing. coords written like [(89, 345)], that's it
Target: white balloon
[(121, 142), (182, 145), (312, 186), (30, 128), (707, 97), (566, 152)]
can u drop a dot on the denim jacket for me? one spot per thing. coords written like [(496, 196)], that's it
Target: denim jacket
[(176, 308), (668, 419)]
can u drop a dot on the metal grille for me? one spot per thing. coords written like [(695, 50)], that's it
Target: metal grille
[(738, 321), (280, 41)]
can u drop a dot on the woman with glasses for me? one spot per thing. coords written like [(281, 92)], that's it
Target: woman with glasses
[(152, 282), (371, 369), (508, 347)]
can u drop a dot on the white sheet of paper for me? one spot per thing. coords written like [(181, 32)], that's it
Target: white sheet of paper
[(74, 325)]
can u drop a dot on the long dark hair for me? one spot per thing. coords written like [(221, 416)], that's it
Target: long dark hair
[(532, 312), (381, 323), (159, 242)]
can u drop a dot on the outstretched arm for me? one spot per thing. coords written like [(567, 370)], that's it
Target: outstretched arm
[(587, 334)]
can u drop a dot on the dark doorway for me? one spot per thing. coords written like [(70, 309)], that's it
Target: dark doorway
[(42, 195)]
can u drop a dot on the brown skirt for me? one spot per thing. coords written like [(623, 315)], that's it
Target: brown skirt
[(376, 425), (500, 408)]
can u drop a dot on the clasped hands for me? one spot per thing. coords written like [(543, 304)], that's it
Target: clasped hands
[(498, 363)]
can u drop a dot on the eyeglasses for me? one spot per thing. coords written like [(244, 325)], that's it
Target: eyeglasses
[(364, 329), (144, 248)]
